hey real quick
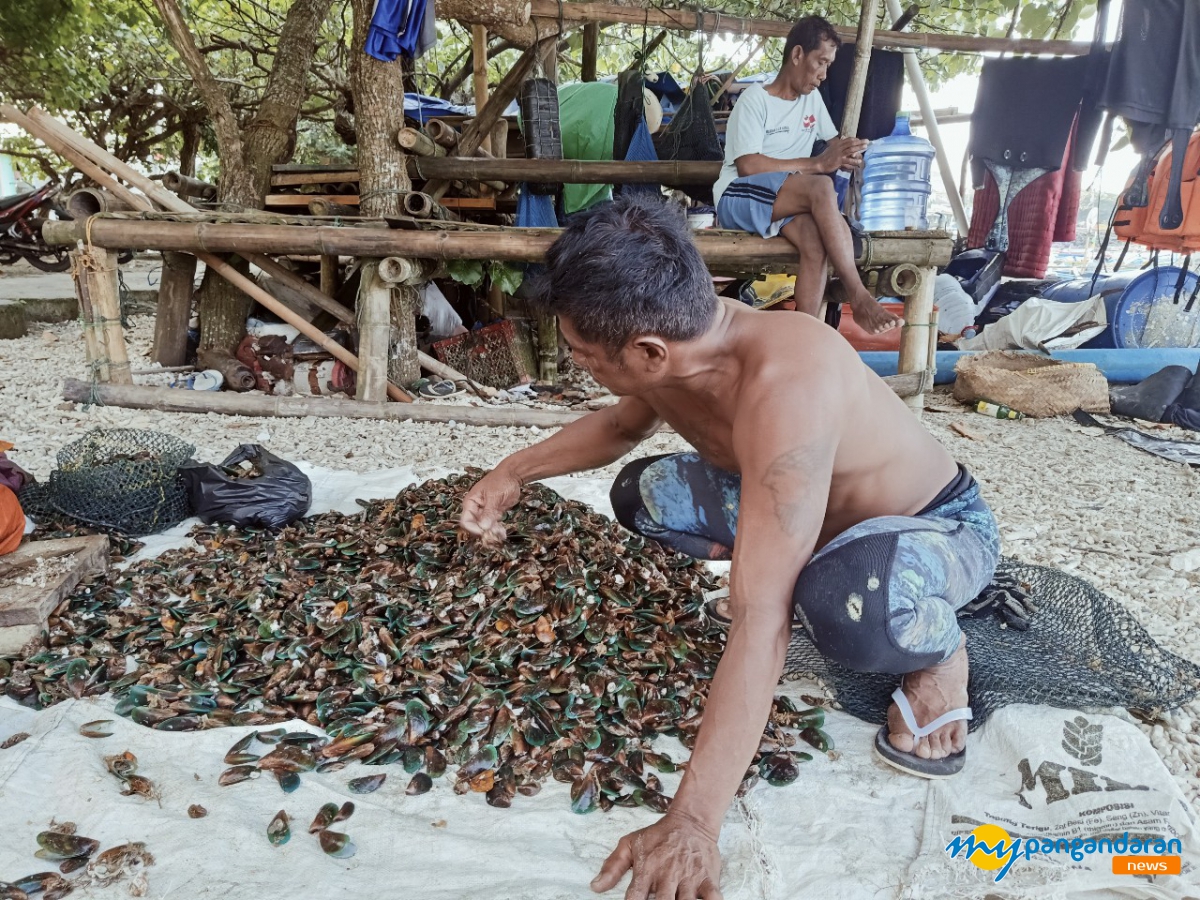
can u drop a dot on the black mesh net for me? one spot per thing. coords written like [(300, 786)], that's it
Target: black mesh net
[(119, 480), (692, 135), (1082, 649), (540, 126)]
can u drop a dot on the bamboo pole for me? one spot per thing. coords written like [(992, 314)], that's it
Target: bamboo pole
[(916, 78), (374, 333), (187, 186), (86, 202), (418, 142), (230, 404), (858, 74), (721, 250), (914, 338), (80, 149), (97, 360), (711, 23), (322, 207), (174, 309), (96, 268), (442, 132), (479, 81), (329, 276)]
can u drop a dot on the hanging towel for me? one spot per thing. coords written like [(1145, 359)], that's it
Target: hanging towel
[(641, 149), (881, 100), (396, 29), (1041, 214)]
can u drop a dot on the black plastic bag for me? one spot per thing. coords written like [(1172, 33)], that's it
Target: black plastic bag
[(273, 494)]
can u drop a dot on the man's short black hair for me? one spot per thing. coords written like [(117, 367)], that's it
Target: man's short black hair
[(808, 34), (628, 268)]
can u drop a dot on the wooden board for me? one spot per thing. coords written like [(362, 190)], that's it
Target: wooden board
[(352, 200), (25, 604), (285, 179)]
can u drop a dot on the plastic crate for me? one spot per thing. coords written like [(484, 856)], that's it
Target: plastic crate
[(494, 355)]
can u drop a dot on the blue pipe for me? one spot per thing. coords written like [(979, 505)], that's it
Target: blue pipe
[(1125, 366)]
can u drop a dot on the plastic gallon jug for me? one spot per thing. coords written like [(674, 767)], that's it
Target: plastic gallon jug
[(896, 183)]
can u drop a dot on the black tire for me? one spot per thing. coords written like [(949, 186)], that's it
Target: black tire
[(48, 259), (51, 261)]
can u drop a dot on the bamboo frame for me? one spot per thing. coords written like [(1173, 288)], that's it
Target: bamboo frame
[(718, 23)]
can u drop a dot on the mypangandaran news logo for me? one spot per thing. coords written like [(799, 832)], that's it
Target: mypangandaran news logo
[(990, 848)]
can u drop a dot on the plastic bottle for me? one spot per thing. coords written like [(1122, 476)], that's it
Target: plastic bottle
[(896, 180), (997, 410)]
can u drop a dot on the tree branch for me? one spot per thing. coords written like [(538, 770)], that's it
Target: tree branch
[(225, 124)]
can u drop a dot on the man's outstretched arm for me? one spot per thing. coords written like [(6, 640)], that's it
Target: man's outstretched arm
[(594, 441), (786, 472)]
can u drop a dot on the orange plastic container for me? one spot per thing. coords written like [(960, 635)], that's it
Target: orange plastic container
[(861, 340)]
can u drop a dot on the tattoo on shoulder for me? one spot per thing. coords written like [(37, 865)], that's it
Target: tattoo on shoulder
[(791, 489)]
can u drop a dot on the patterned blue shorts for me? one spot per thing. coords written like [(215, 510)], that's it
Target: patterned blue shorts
[(880, 597)]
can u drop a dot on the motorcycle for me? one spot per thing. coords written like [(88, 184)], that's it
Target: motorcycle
[(21, 219)]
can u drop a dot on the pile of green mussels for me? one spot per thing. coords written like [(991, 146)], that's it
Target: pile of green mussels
[(564, 653)]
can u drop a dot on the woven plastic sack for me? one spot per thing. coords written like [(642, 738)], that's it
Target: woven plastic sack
[(1034, 385), (120, 480), (1083, 649), (540, 125)]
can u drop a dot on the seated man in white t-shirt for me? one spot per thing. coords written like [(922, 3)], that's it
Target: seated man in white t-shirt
[(771, 184)]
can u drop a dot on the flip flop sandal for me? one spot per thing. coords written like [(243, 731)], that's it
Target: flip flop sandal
[(945, 767), (438, 389)]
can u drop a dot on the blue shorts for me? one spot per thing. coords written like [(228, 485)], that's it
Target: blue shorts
[(880, 597), (747, 202)]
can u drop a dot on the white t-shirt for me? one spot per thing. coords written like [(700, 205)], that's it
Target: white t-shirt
[(783, 129)]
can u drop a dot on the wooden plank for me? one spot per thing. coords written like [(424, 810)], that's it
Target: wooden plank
[(352, 200), (714, 23), (31, 604), (289, 179), (305, 199)]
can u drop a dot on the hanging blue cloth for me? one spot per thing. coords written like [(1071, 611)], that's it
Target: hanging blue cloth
[(396, 29), (535, 210), (641, 149)]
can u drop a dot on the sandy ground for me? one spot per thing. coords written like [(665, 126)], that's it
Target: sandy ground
[(1064, 495)]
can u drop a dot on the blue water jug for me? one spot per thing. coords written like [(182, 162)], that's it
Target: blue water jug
[(896, 184)]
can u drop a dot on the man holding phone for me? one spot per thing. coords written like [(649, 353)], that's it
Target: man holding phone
[(771, 183)]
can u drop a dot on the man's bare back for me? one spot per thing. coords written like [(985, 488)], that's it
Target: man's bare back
[(886, 463)]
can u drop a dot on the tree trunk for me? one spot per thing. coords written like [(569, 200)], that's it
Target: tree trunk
[(247, 152), (378, 115)]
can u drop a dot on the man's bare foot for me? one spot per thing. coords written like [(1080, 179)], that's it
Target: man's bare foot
[(870, 315), (932, 692)]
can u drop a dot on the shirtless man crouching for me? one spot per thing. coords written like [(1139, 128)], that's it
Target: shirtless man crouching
[(839, 510)]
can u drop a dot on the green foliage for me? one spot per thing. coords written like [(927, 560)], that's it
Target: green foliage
[(506, 276), (466, 271)]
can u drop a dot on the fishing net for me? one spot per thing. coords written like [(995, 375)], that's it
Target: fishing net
[(692, 135), (1082, 649), (118, 480)]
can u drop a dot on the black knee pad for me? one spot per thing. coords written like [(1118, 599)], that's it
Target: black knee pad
[(847, 620), (626, 493)]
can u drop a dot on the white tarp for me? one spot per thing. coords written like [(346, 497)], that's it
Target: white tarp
[(848, 828)]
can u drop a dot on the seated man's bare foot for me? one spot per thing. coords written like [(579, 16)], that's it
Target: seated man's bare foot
[(870, 315), (932, 692)]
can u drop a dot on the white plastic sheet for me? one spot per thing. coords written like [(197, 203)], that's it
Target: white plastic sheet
[(849, 829)]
